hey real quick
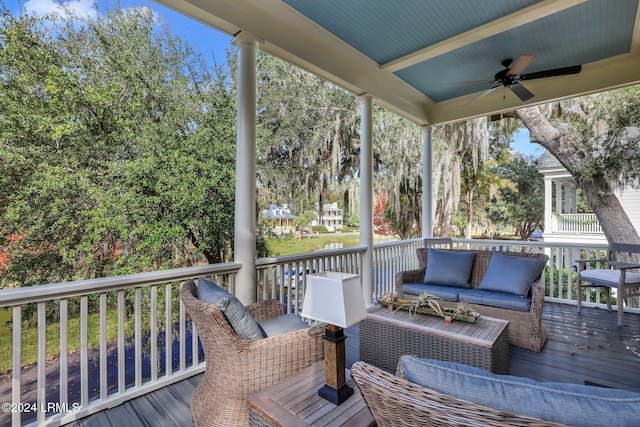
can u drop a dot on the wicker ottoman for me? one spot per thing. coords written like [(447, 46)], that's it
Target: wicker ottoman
[(387, 335)]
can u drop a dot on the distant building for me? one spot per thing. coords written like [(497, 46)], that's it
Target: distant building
[(331, 216), (283, 218), (562, 223)]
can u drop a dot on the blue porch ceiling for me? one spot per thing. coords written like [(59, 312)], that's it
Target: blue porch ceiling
[(385, 31), (409, 54)]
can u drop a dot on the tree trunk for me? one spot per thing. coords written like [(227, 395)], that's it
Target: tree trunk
[(470, 213), (614, 220)]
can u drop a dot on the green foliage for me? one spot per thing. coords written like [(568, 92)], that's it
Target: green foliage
[(303, 221), (117, 149), (520, 201), (608, 124), (319, 229)]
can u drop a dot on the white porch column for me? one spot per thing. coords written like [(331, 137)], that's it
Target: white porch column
[(366, 196), (558, 197), (427, 183), (548, 219), (567, 199), (574, 200), (245, 222)]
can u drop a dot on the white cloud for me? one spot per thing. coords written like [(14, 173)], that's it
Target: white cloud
[(42, 7)]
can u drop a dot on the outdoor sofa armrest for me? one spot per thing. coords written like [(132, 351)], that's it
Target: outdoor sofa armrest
[(409, 276)]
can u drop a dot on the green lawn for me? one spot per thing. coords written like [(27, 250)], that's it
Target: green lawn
[(280, 246)]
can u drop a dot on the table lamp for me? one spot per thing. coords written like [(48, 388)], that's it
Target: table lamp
[(336, 299)]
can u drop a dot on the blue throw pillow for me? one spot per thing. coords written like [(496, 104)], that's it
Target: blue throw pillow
[(447, 268), (573, 404), (511, 274), (240, 319)]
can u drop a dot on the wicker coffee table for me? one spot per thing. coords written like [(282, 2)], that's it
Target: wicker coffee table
[(386, 335)]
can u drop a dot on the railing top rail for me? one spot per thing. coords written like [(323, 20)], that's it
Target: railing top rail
[(530, 244), (397, 243), (264, 262), (18, 296)]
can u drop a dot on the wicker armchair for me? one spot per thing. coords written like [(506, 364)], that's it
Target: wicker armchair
[(394, 401), (237, 368)]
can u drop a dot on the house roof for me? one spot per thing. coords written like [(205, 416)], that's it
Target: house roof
[(410, 55), (276, 211), (550, 167)]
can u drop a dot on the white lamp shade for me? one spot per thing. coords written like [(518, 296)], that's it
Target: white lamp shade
[(334, 298)]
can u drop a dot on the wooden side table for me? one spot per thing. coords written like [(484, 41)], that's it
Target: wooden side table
[(295, 402)]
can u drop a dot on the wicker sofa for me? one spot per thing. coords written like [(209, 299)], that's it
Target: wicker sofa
[(434, 393), (525, 325), (237, 367)]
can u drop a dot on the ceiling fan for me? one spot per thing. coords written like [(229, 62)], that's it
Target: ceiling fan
[(511, 76)]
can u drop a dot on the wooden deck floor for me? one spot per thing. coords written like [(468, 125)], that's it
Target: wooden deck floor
[(587, 348)]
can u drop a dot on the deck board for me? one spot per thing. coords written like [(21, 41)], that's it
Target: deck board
[(586, 347)]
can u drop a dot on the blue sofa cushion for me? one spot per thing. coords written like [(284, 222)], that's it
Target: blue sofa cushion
[(446, 268), (495, 299), (573, 404), (447, 293), (511, 274), (240, 319), (281, 325)]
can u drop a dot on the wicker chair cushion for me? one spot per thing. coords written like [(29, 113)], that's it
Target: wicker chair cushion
[(281, 325), (447, 293), (240, 319), (446, 268), (495, 299), (511, 274), (573, 404)]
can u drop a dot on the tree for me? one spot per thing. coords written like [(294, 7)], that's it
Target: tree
[(520, 201), (598, 142), (116, 148), (303, 221)]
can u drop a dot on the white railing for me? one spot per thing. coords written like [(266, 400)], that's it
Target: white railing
[(142, 342), (144, 309), (576, 223), (285, 277)]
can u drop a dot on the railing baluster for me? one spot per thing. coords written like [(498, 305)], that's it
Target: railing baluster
[(138, 337), (103, 346), (168, 331), (84, 351), (17, 363), (122, 382), (153, 333), (41, 398), (183, 338), (64, 369)]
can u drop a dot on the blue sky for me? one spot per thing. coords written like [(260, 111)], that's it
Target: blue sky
[(211, 43)]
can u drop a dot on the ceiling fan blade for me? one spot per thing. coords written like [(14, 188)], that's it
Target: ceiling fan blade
[(521, 91), (520, 64), (482, 95), (574, 69)]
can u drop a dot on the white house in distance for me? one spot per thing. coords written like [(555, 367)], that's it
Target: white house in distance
[(283, 218), (331, 216), (562, 223)]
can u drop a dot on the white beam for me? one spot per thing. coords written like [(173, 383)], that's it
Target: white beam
[(506, 23)]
